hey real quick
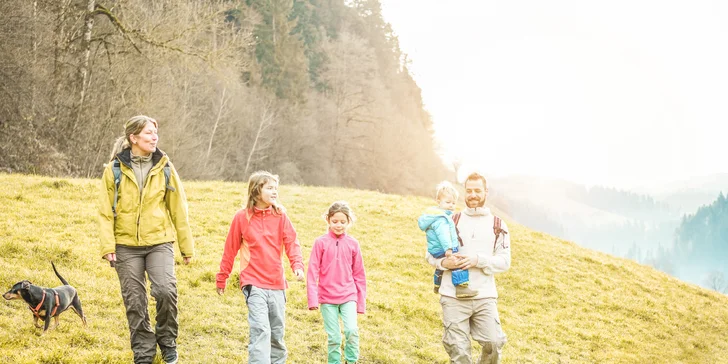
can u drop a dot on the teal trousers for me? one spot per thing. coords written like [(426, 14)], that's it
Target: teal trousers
[(331, 314)]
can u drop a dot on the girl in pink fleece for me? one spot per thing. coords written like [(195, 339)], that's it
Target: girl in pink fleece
[(337, 281)]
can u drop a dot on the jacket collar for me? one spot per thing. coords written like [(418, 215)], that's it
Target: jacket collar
[(477, 211), (125, 156), (266, 211), (333, 235)]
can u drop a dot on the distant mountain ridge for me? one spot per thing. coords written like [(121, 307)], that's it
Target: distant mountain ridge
[(627, 223), (689, 194)]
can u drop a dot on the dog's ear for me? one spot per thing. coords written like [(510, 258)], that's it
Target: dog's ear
[(26, 284)]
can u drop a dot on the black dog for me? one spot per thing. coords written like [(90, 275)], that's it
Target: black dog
[(47, 302)]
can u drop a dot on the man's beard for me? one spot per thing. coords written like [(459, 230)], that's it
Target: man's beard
[(475, 202)]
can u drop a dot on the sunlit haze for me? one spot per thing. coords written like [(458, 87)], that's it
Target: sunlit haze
[(620, 93)]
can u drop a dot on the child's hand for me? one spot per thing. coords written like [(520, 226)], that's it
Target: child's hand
[(448, 253), (220, 291), (299, 274), (313, 308)]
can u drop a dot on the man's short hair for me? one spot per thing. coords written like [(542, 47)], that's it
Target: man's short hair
[(475, 177), (445, 187)]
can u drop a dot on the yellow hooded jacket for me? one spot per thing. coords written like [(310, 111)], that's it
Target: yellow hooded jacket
[(156, 216)]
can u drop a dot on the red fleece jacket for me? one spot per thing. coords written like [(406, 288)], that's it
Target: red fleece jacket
[(260, 236)]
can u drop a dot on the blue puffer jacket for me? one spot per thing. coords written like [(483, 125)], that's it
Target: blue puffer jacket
[(440, 230)]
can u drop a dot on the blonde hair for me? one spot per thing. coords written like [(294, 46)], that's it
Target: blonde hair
[(343, 207), (445, 187), (133, 126), (255, 184)]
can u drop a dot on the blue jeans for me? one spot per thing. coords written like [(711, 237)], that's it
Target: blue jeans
[(266, 319)]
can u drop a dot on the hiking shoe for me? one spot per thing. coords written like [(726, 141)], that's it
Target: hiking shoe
[(465, 292), (169, 355)]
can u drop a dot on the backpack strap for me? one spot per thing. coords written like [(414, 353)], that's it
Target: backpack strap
[(455, 219), (497, 230), (167, 173), (116, 168)]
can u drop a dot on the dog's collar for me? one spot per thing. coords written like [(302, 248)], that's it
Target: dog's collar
[(37, 308)]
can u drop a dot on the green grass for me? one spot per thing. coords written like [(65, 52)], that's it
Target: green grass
[(559, 302)]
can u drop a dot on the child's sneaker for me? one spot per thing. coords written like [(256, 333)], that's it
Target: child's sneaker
[(465, 292)]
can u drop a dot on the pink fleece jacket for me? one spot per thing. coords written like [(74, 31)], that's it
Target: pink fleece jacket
[(336, 272)]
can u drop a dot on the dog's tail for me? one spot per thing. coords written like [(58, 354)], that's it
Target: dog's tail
[(58, 274)]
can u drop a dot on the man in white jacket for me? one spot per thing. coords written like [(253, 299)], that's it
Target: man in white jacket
[(483, 254)]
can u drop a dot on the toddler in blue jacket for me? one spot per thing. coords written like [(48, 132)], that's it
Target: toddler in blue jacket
[(442, 237)]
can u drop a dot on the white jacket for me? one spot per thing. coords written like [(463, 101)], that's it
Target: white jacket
[(475, 228)]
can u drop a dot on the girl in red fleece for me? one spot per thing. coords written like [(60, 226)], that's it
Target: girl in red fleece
[(337, 281), (260, 232)]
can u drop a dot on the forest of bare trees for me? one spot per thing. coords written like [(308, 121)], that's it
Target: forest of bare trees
[(317, 91)]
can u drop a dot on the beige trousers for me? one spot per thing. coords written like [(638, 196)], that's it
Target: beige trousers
[(463, 319)]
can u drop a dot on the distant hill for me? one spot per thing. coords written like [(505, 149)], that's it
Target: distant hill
[(689, 194), (605, 219), (559, 302)]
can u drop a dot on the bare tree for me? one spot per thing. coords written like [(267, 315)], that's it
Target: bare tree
[(267, 116), (716, 281)]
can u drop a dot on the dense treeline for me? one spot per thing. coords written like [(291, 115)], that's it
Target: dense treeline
[(315, 90), (702, 240)]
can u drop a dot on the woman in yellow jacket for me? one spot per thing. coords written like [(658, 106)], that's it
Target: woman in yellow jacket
[(142, 212)]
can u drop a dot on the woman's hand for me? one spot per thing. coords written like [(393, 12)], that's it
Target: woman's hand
[(111, 257), (186, 260)]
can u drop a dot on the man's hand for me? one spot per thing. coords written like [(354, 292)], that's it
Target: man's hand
[(451, 262), (460, 261), (468, 261), (299, 274)]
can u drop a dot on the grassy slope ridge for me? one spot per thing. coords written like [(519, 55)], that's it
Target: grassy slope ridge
[(558, 303)]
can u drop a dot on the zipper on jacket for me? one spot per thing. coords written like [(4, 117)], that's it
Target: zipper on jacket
[(141, 202)]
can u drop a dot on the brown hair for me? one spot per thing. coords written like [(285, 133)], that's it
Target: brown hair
[(343, 207), (475, 177), (133, 126), (255, 184)]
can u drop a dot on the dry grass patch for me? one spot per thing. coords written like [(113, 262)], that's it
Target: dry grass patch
[(559, 302)]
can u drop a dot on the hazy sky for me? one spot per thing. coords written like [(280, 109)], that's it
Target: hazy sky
[(618, 93)]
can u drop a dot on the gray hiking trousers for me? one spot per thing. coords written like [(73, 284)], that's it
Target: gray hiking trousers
[(267, 322), (158, 263), (466, 318)]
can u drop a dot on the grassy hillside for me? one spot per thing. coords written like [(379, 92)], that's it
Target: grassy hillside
[(559, 302)]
